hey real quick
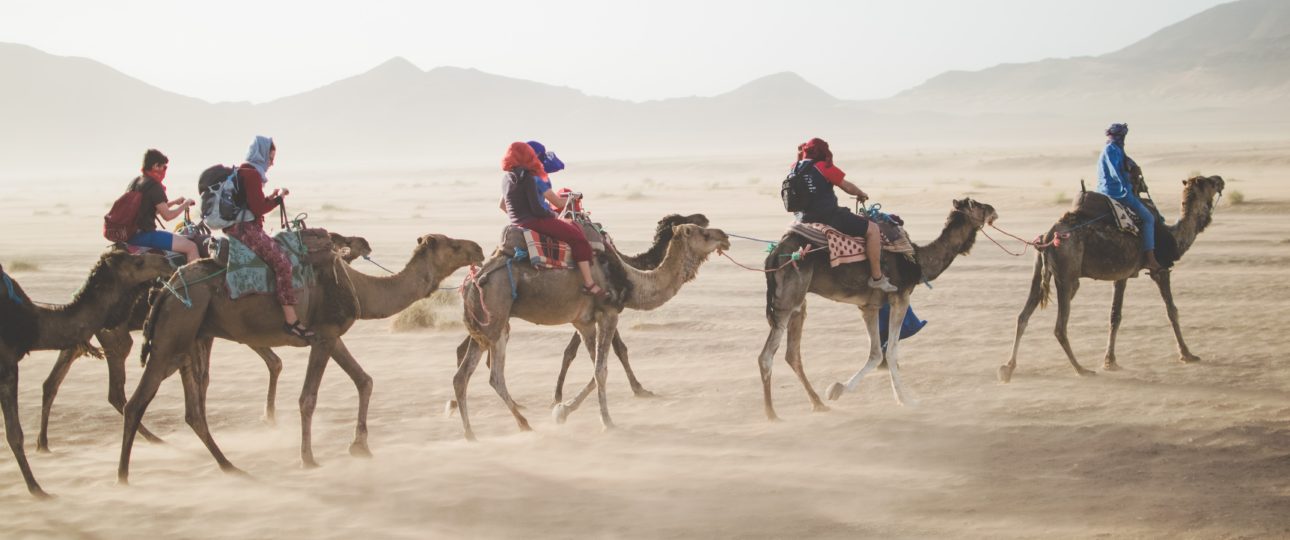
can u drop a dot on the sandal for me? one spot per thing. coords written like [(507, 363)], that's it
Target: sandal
[(595, 291), (297, 330)]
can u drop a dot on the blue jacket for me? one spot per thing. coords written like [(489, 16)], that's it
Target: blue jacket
[(1113, 172)]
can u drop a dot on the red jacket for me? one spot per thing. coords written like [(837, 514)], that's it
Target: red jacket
[(253, 190)]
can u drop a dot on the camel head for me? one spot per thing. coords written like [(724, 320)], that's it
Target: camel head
[(672, 220), (130, 270), (699, 240), (1199, 194), (446, 254), (979, 213), (350, 247)]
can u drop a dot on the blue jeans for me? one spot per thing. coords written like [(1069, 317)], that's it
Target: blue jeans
[(1148, 220), (162, 240)]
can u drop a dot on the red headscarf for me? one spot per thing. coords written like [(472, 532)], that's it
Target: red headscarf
[(521, 155), (815, 149)]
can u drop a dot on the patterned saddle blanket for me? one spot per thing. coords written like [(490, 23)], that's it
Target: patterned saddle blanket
[(546, 253), (248, 274), (845, 248)]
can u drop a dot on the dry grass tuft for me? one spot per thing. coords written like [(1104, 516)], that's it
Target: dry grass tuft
[(441, 310)]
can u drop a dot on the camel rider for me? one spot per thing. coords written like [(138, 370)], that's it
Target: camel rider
[(555, 202), (154, 205), (253, 175), (815, 160), (527, 207), (1114, 181)]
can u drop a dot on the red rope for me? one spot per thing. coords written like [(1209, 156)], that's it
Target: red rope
[(1038, 243), (473, 277)]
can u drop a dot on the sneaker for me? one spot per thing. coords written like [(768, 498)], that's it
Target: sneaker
[(882, 284)]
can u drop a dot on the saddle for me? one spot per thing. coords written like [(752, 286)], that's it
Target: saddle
[(546, 253), (246, 273), (845, 248), (1092, 205)]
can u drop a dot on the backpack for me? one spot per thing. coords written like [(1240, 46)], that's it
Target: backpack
[(122, 221), (219, 189), (795, 191)]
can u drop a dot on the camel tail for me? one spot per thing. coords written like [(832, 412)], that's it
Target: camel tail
[(1043, 279), (157, 298)]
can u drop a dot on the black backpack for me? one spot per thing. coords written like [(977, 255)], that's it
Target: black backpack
[(795, 191)]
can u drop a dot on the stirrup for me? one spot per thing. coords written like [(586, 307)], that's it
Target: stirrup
[(298, 331)]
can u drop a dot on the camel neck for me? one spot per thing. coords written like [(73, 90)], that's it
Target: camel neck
[(956, 238), (382, 297), (69, 325), (1196, 215), (653, 288)]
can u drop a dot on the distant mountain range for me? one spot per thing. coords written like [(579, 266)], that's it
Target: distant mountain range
[(1225, 69)]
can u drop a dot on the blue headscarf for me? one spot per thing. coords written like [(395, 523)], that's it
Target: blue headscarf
[(550, 163), (1116, 133), (258, 155)]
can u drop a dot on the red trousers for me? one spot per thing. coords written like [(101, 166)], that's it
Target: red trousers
[(252, 234), (565, 232)]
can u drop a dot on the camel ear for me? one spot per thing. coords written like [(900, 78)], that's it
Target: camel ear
[(958, 204)]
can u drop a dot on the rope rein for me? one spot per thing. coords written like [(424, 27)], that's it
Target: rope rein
[(473, 277)]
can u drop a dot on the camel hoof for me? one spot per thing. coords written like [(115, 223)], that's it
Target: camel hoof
[(1110, 366), (42, 449), (470, 436), (820, 407), (835, 391), (269, 420), (643, 393), (39, 493), (560, 413), (309, 463), (607, 426), (907, 402), (360, 450), (1005, 373), (1188, 358), (233, 470), (1086, 372), (152, 438), (524, 425), (450, 408)]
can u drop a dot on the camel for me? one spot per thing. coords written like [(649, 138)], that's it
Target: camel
[(112, 279), (175, 336), (550, 297), (787, 286), (116, 344), (1100, 251), (646, 260)]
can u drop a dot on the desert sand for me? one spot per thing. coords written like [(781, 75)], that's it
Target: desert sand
[(1159, 449)]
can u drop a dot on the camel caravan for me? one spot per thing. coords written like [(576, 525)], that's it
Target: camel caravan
[(553, 266)]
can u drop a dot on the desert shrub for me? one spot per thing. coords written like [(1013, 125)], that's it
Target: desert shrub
[(1235, 197), (1061, 198), (440, 310), (21, 265)]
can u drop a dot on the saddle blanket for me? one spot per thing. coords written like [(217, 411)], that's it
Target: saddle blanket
[(848, 249), (1123, 217), (547, 253), (248, 274)]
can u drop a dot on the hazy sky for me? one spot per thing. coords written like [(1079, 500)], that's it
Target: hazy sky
[(234, 50)]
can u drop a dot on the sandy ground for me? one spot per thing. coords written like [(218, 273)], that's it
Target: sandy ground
[(1160, 449)]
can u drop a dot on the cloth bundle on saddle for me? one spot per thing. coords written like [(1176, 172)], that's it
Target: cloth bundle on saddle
[(546, 253), (844, 248), (1092, 206), (246, 273)]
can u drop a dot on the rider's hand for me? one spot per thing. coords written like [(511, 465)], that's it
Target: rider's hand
[(862, 196), (283, 192)]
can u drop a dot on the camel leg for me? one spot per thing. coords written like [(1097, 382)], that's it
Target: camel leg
[(363, 383), (194, 376), (13, 424), (1166, 292), (766, 359), (1117, 308), (318, 355), (1032, 302), (1065, 294), (157, 370), (870, 315), (461, 381), (794, 357), (620, 350), (50, 391), (274, 364), (451, 406), (570, 352), (898, 309), (497, 378), (561, 411), (607, 324)]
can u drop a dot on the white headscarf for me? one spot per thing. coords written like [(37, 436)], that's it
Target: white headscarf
[(258, 155)]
